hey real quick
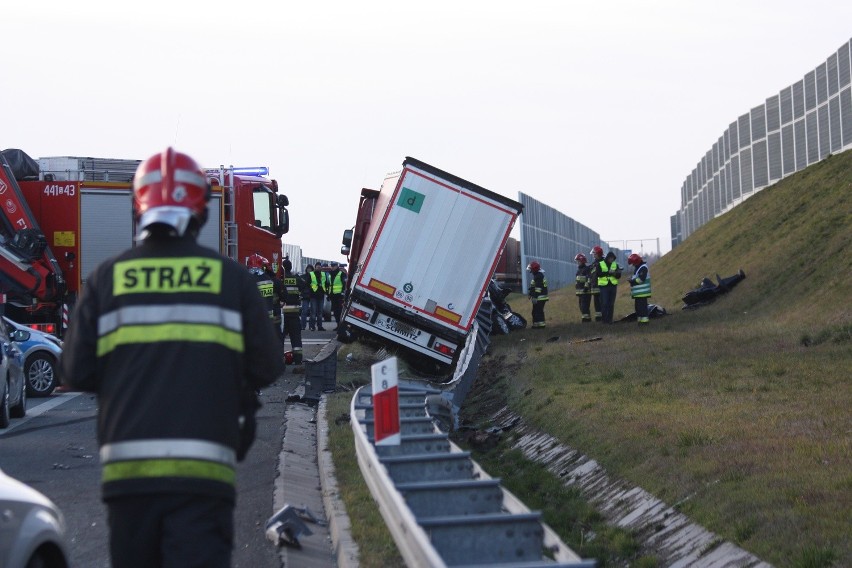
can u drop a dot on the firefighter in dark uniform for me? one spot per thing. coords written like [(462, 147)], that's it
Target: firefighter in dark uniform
[(174, 339), (538, 294), (583, 287), (270, 290), (291, 300), (597, 255)]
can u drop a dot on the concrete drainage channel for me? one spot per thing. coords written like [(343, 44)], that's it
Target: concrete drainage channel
[(672, 537), (440, 506)]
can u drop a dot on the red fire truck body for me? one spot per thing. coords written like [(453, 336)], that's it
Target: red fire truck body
[(85, 221)]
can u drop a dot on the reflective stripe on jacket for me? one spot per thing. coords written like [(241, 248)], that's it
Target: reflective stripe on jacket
[(582, 280), (641, 286), (291, 295), (538, 286), (168, 458)]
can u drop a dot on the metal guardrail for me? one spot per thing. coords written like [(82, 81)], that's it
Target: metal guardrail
[(441, 507)]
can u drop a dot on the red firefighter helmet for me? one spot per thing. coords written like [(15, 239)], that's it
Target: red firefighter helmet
[(580, 258), (534, 266), (596, 251), (634, 259), (256, 263), (171, 189)]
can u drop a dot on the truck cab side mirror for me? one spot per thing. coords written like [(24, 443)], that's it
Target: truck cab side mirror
[(283, 221), (347, 242)]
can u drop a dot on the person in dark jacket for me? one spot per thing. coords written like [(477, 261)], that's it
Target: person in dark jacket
[(336, 289), (270, 290), (291, 303), (538, 294), (317, 280), (174, 339), (304, 280), (583, 287), (608, 272), (640, 287)]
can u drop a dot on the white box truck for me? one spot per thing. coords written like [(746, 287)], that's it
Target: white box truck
[(421, 255)]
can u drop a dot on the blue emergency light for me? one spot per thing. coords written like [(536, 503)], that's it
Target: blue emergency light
[(256, 171)]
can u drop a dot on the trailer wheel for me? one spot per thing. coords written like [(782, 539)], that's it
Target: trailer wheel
[(40, 373)]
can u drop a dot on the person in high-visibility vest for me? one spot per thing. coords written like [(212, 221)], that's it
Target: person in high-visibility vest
[(317, 280), (537, 293), (175, 340), (640, 287), (337, 286), (608, 272)]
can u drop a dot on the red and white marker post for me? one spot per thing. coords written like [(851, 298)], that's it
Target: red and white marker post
[(386, 403)]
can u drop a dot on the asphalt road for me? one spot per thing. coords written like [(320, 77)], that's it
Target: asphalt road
[(53, 449)]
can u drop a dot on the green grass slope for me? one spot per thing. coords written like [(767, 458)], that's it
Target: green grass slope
[(738, 412), (792, 239)]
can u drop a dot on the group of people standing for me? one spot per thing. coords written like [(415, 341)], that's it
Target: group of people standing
[(598, 282), (595, 283), (317, 283)]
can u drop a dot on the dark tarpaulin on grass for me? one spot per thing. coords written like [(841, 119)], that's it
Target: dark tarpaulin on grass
[(654, 311), (707, 292)]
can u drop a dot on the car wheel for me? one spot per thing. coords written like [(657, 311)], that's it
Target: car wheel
[(20, 409), (4, 405), (40, 372)]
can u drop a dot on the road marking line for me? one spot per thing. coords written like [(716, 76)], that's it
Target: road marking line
[(55, 400)]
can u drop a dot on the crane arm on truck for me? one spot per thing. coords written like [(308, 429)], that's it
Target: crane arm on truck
[(28, 269)]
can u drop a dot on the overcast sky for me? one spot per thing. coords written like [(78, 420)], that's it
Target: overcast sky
[(599, 109)]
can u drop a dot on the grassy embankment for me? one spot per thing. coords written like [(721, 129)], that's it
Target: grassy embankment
[(738, 412)]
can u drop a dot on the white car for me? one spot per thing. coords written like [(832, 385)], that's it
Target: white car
[(41, 353), (32, 528)]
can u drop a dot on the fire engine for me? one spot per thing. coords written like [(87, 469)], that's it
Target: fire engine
[(60, 217)]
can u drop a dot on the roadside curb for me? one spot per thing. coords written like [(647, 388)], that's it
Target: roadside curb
[(339, 526)]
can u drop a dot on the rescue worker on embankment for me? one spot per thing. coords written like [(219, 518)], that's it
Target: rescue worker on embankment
[(640, 287), (538, 294), (174, 339), (608, 272), (597, 255), (583, 287)]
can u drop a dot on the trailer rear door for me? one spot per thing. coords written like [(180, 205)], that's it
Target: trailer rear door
[(437, 245)]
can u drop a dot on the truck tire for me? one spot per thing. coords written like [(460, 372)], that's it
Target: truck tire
[(499, 324), (40, 374), (4, 404)]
